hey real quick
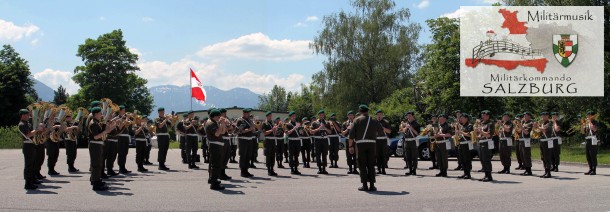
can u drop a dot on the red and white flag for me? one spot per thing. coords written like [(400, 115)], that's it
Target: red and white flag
[(197, 90)]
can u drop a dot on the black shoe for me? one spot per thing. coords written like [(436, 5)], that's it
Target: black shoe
[(100, 188), (457, 168), (467, 177), (372, 188), (526, 173), (487, 179), (383, 172), (195, 166), (439, 174), (355, 172), (280, 166), (433, 167), (252, 166), (444, 174), (462, 176), (184, 161), (206, 161), (296, 171), (556, 169), (164, 168), (378, 172), (520, 167), (409, 173), (233, 161), (217, 187), (225, 177), (271, 173), (480, 170), (105, 176), (72, 170), (53, 173), (29, 186), (501, 172), (124, 171), (36, 182), (244, 174), (112, 173), (363, 188), (142, 170), (40, 176), (148, 163)]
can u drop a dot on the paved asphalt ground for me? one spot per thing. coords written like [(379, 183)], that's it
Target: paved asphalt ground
[(182, 189)]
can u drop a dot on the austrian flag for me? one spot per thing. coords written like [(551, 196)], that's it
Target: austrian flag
[(197, 90)]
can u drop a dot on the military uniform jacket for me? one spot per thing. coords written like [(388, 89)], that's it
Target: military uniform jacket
[(360, 128), (279, 132), (64, 135), (336, 130), (95, 128), (158, 122), (527, 127), (589, 132), (487, 127), (445, 128), (289, 126), (317, 124), (190, 130), (382, 124), (548, 129), (506, 134), (142, 133), (467, 128), (345, 125), (25, 127), (242, 124), (412, 133), (211, 127), (180, 128), (268, 125)]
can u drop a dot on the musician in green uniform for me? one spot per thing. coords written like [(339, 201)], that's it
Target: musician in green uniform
[(214, 131), (124, 139), (525, 143), (381, 142), (350, 158), (434, 124), (70, 142), (245, 132), (294, 142), (546, 144), (458, 115), (190, 127), (362, 142), (320, 130), (269, 129), (442, 136), (506, 143), (28, 149), (110, 150), (96, 148), (162, 125), (279, 148), (306, 142), (465, 145), (181, 135), (410, 143), (334, 137), (226, 139), (589, 129), (517, 144), (140, 134), (555, 130), (486, 144)]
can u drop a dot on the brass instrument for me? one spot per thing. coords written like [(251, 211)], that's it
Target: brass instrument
[(498, 127), (456, 136), (536, 133), (61, 118), (474, 135), (518, 128)]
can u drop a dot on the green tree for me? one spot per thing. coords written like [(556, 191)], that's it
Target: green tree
[(370, 52), (61, 96), (276, 100), (302, 103), (109, 72), (16, 87)]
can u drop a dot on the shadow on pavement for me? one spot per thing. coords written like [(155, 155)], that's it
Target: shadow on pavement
[(564, 178), (56, 181), (280, 176), (48, 187), (112, 193), (40, 192), (387, 193), (231, 192), (68, 176), (261, 178), (505, 182)]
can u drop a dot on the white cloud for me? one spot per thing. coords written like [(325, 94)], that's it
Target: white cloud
[(55, 78), (136, 51), (34, 42), (489, 1), (423, 4), (300, 24), (147, 19), (11, 32), (102, 18), (259, 83), (312, 18), (258, 46), (455, 14)]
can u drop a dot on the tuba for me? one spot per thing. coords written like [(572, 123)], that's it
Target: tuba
[(474, 135), (63, 111)]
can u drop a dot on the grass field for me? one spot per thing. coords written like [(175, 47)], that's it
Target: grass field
[(574, 153)]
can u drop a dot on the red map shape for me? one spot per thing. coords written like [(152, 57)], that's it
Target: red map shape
[(539, 64), (511, 22)]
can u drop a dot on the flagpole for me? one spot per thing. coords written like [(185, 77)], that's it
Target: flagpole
[(191, 88)]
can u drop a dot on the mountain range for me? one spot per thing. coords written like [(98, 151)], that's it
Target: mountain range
[(176, 98)]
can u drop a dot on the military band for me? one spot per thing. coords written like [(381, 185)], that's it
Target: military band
[(367, 143)]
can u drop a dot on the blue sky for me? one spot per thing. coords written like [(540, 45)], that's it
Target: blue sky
[(250, 44)]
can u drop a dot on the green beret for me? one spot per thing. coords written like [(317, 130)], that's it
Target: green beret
[(121, 107), (443, 115), (544, 113), (333, 114), (527, 113), (313, 117), (363, 108), (519, 115), (379, 111), (505, 114), (466, 115), (268, 113), (95, 110), (196, 118), (222, 110), (215, 113), (185, 115), (205, 119), (554, 113), (190, 112), (95, 104), (457, 111), (590, 112), (350, 112), (304, 119), (24, 111), (410, 112), (161, 109), (286, 119), (485, 112), (247, 110), (320, 111), (210, 110), (291, 113), (277, 118)]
